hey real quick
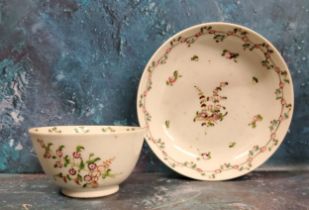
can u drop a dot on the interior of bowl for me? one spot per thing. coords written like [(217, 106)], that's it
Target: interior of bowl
[(217, 99), (83, 129)]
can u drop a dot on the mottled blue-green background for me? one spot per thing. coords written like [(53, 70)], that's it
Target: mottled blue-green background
[(79, 62)]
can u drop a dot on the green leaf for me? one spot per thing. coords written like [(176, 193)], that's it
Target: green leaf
[(61, 147), (68, 177), (167, 123), (79, 148), (79, 177), (81, 165), (106, 174), (96, 159), (256, 80), (85, 185), (66, 161), (175, 74)]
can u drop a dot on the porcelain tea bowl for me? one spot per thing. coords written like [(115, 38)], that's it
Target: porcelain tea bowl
[(88, 161)]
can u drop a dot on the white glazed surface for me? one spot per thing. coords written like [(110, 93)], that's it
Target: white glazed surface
[(115, 150), (239, 138)]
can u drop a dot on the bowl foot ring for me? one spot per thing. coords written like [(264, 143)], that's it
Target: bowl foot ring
[(91, 193)]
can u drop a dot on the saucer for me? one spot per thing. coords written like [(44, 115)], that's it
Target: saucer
[(217, 99)]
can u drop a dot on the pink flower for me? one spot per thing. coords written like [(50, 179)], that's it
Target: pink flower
[(87, 178), (171, 80), (250, 159), (273, 135), (76, 155), (206, 155), (168, 50), (281, 85), (47, 155), (263, 149), (277, 69), (217, 171), (198, 34), (235, 166), (245, 39), (92, 166), (283, 102), (59, 153), (72, 171), (199, 170), (227, 55)]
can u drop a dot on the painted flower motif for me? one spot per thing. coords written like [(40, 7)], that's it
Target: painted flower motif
[(256, 118), (92, 166), (230, 55), (58, 164), (172, 79), (277, 69), (47, 155), (283, 102), (206, 155), (218, 171), (72, 171), (87, 178), (235, 167), (199, 170), (273, 135), (76, 155), (86, 173), (211, 110), (59, 153), (263, 149)]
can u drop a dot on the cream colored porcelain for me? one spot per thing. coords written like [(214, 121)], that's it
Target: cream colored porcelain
[(88, 161), (217, 99)]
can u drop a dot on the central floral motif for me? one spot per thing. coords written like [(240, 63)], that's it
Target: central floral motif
[(211, 110), (74, 168)]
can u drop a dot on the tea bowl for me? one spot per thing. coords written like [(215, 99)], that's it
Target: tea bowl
[(88, 161)]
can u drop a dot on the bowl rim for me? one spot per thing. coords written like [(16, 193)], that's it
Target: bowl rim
[(125, 129)]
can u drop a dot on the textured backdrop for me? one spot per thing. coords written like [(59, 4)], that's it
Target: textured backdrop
[(79, 62)]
